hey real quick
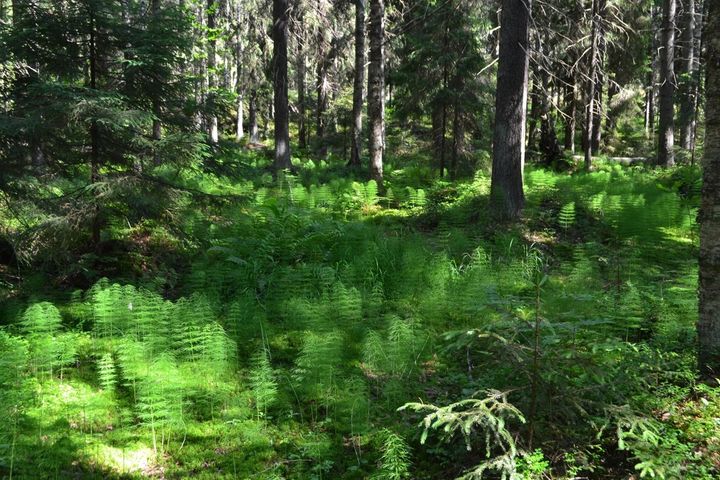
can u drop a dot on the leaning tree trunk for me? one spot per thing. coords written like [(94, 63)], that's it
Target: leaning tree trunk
[(211, 74), (280, 85), (376, 90), (506, 189), (666, 140), (358, 84), (688, 90), (709, 291)]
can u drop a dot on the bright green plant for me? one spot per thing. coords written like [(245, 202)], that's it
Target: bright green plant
[(487, 417), (262, 382), (395, 460)]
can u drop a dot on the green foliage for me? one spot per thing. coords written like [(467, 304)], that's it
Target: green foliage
[(16, 393), (488, 417), (395, 458), (262, 383), (107, 372)]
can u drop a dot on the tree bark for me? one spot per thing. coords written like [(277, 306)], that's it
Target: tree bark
[(666, 156), (570, 113), (302, 102), (156, 123), (95, 228), (688, 88), (358, 84), (376, 90), (239, 81), (252, 118), (212, 120), (506, 191), (590, 95), (709, 282), (598, 112), (280, 85)]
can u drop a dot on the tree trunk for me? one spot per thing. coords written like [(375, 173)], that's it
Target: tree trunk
[(358, 84), (156, 124), (549, 145), (590, 95), (534, 114), (650, 88), (666, 156), (302, 103), (321, 103), (506, 191), (688, 89), (94, 131), (709, 286), (376, 90), (612, 113), (280, 85), (211, 74), (570, 112), (598, 112), (458, 139), (239, 81), (252, 118)]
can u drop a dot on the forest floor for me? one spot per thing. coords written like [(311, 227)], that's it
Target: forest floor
[(275, 327)]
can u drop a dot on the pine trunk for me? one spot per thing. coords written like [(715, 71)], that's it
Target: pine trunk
[(239, 81), (302, 107), (666, 140), (253, 118), (280, 85), (590, 95), (510, 105), (211, 74), (709, 287), (688, 89), (358, 84), (376, 90), (570, 112)]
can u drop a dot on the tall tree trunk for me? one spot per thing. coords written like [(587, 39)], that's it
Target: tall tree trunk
[(599, 111), (458, 139), (376, 90), (358, 84), (253, 117), (438, 133), (709, 288), (94, 129), (302, 102), (156, 124), (549, 145), (239, 80), (688, 88), (321, 105), (570, 113), (665, 155), (699, 72), (534, 114), (506, 191), (280, 85), (590, 94), (212, 120), (612, 111)]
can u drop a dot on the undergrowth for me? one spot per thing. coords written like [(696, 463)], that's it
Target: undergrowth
[(302, 315)]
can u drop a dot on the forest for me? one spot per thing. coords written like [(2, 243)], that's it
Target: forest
[(360, 239)]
